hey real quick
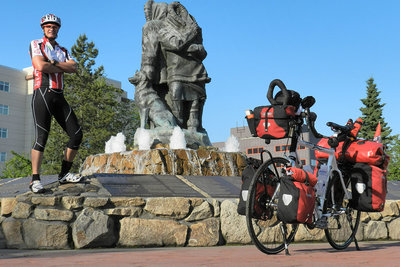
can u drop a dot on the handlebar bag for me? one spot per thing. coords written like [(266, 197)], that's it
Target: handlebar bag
[(368, 186), (264, 190), (271, 122), (296, 201)]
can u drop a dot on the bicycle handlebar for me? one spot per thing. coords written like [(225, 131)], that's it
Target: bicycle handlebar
[(270, 93), (343, 131)]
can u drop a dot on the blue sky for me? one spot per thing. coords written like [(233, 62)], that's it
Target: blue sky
[(328, 49)]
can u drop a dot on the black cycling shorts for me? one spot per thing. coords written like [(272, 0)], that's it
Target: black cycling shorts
[(47, 103)]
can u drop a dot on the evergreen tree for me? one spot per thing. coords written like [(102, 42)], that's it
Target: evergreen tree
[(17, 166), (97, 105), (394, 165), (372, 114)]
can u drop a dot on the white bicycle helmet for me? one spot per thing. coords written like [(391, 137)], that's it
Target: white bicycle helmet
[(50, 19)]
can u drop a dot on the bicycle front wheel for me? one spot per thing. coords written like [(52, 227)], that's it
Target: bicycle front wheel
[(265, 230), (342, 220)]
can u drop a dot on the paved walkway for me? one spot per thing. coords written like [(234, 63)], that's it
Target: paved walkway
[(382, 254)]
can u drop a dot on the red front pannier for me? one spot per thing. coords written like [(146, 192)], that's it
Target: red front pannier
[(360, 151), (368, 186), (271, 122), (297, 197)]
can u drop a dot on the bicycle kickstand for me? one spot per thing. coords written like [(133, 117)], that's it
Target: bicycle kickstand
[(284, 233), (356, 243)]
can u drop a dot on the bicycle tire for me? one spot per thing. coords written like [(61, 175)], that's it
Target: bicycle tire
[(344, 220), (265, 230)]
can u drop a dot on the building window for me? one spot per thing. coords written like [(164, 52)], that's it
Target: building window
[(254, 150), (4, 86), (3, 156), (3, 133), (313, 162), (303, 161), (3, 109), (282, 148)]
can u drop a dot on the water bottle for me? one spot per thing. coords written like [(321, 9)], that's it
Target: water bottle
[(322, 179)]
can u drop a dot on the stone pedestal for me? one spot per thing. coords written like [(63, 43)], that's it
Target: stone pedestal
[(201, 162)]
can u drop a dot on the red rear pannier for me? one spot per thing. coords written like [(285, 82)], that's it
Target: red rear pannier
[(360, 151), (271, 122), (296, 201), (368, 186), (363, 151)]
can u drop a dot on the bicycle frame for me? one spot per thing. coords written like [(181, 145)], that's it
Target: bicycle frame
[(332, 167)]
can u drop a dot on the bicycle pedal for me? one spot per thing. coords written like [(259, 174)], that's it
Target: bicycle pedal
[(322, 223)]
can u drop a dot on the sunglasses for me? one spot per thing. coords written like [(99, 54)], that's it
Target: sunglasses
[(52, 27)]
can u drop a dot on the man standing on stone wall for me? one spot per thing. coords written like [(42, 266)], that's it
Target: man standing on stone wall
[(50, 61)]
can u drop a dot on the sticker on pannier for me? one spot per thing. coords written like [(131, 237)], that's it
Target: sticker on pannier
[(360, 151), (368, 186), (271, 122), (296, 201)]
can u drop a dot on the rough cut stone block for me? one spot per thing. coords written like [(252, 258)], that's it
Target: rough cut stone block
[(72, 202), (45, 201), (95, 202), (12, 229), (93, 228), (200, 212), (142, 232), (394, 229), (22, 210), (205, 233), (174, 207), (374, 230), (233, 225), (127, 201), (53, 214), (124, 211), (391, 209), (3, 242), (305, 234), (216, 207), (45, 235), (7, 205), (375, 216)]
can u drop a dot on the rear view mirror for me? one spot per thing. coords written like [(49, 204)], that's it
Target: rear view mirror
[(307, 102)]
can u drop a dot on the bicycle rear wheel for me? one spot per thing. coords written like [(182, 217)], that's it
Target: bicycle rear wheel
[(343, 220), (265, 230)]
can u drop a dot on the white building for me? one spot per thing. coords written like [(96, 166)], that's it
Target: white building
[(16, 121)]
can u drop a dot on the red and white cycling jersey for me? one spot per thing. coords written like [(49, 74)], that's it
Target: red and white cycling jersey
[(42, 47)]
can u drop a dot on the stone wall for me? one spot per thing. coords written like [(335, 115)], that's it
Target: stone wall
[(66, 222)]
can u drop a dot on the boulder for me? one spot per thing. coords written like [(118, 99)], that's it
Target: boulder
[(45, 234), (151, 232), (205, 233), (92, 229), (233, 225), (173, 207)]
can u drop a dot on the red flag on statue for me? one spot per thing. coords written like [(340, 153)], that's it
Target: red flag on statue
[(377, 136)]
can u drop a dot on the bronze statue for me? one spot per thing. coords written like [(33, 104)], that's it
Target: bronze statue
[(170, 86)]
